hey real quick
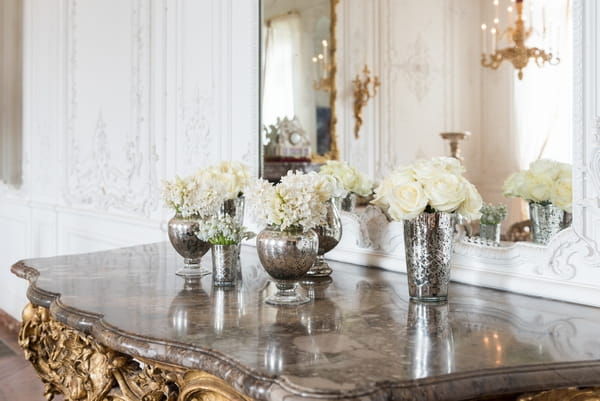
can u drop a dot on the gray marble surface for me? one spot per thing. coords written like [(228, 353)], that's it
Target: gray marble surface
[(359, 338)]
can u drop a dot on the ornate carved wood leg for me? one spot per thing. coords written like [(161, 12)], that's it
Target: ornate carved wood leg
[(75, 365)]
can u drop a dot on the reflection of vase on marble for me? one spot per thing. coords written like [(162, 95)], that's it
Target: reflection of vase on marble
[(182, 234), (186, 311), (329, 235), (546, 221), (430, 344), (322, 315), (227, 310)]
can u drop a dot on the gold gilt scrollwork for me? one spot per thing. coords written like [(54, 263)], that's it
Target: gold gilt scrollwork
[(75, 365), (564, 394)]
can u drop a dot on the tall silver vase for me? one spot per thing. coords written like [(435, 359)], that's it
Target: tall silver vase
[(546, 221), (329, 235), (346, 203), (225, 259), (428, 246), (182, 234), (490, 232), (287, 256), (235, 209)]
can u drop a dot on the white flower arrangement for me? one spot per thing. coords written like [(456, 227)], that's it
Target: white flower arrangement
[(350, 178), (298, 202), (493, 214), (234, 176), (201, 194), (430, 185), (546, 181), (223, 230)]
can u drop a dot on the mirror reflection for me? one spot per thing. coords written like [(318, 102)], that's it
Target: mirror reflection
[(297, 84), (453, 83)]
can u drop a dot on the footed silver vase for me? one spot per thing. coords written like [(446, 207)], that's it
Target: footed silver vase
[(546, 221), (329, 235), (428, 245), (182, 234), (286, 256)]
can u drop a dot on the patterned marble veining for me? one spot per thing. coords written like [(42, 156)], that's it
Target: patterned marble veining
[(359, 338)]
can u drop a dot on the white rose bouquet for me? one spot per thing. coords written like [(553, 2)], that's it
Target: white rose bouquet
[(223, 230), (234, 176), (296, 203), (350, 178), (434, 185), (546, 181)]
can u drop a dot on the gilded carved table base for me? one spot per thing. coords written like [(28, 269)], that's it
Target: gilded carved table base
[(73, 364)]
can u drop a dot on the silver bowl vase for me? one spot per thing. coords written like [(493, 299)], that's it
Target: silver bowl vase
[(329, 235), (235, 209), (286, 256), (182, 234), (428, 245), (546, 221)]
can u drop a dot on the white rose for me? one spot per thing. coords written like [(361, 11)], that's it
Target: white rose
[(430, 168), (537, 187), (406, 201), (445, 191), (545, 168), (398, 177), (514, 184), (470, 208), (561, 194)]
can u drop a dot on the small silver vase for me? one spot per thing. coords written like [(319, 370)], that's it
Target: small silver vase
[(428, 245), (287, 256), (182, 234), (546, 221), (225, 260), (235, 209), (329, 235), (346, 203), (490, 232)]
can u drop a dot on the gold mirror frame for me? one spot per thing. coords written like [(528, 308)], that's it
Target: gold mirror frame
[(334, 150)]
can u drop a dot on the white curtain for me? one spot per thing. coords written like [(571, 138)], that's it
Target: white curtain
[(543, 99), (287, 82), (11, 92)]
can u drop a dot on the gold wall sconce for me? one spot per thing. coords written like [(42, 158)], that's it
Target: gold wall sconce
[(364, 90)]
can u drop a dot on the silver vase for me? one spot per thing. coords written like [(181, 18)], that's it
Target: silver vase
[(182, 234), (346, 203), (546, 221), (287, 256), (490, 232), (329, 235), (235, 209), (428, 246), (225, 264)]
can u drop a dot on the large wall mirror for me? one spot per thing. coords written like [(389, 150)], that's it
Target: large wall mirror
[(428, 57), (298, 85)]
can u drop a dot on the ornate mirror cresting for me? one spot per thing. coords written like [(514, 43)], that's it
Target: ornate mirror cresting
[(298, 85)]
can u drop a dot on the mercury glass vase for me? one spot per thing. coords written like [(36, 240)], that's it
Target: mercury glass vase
[(546, 221), (286, 256), (225, 264), (346, 203), (329, 235), (428, 246), (490, 232), (235, 209), (182, 234)]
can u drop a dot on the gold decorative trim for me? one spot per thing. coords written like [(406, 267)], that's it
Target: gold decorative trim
[(75, 365), (564, 394)]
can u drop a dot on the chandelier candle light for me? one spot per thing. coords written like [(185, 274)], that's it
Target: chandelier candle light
[(517, 34)]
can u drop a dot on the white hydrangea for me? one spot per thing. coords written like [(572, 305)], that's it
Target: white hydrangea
[(546, 181), (350, 178), (436, 183), (298, 202)]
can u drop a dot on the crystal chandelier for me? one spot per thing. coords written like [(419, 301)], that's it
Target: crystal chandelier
[(517, 34)]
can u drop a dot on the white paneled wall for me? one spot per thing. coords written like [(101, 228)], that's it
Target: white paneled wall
[(120, 94)]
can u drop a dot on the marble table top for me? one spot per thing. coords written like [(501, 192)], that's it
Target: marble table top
[(360, 337)]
